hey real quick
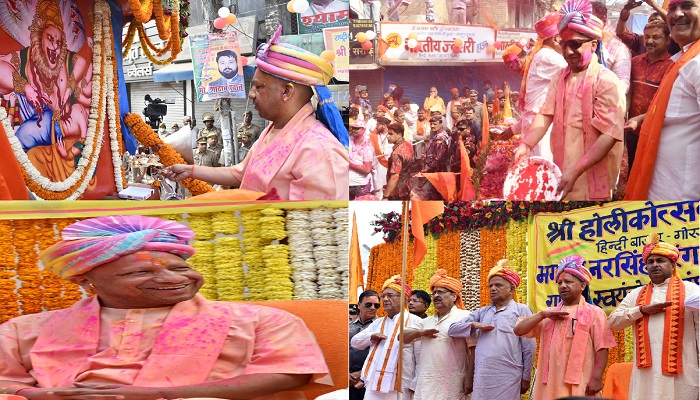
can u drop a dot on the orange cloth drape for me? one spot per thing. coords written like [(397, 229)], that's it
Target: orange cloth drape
[(356, 278), (12, 185), (421, 213)]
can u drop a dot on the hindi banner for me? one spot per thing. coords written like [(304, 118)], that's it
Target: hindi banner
[(337, 40), (218, 74), (435, 42), (610, 238), (507, 38), (358, 55), (318, 17)]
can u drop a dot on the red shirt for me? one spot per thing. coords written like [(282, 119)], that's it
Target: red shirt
[(645, 80), (400, 163)]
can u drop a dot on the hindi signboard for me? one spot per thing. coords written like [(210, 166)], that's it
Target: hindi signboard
[(435, 42), (358, 55), (610, 238), (337, 40), (316, 17), (218, 73), (507, 38)]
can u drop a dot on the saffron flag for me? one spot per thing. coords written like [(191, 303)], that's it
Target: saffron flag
[(507, 110), (421, 213), (356, 278), (485, 124), (466, 188), (444, 182)]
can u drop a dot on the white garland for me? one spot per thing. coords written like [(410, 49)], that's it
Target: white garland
[(86, 167), (469, 266), (301, 255), (342, 239), (325, 254)]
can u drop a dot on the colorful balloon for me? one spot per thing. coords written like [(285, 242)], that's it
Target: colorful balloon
[(361, 37), (328, 55), (224, 12), (413, 35), (412, 43), (371, 35), (300, 6), (491, 49), (219, 23), (458, 42), (367, 45), (456, 49), (231, 19)]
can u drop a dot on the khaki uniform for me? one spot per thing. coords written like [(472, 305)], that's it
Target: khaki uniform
[(206, 159), (204, 133), (254, 129), (217, 150)]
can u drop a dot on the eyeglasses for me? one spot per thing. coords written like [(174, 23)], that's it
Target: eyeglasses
[(369, 305), (574, 44), (440, 292), (389, 296)]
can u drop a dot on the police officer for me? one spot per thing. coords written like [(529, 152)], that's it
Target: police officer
[(248, 126), (203, 156), (208, 119)]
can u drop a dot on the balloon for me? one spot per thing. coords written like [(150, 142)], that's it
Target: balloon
[(328, 55), (231, 19), (244, 61), (456, 49), (300, 6), (523, 42), (491, 49), (367, 45), (497, 45), (413, 35), (371, 35), (458, 42), (219, 23), (361, 37), (224, 12), (412, 43), (289, 6)]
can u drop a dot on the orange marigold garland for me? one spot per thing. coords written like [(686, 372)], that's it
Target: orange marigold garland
[(142, 10), (8, 274), (448, 253), (493, 249), (168, 156), (25, 240), (71, 292)]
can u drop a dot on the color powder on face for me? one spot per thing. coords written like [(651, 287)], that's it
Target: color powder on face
[(586, 58), (141, 256)]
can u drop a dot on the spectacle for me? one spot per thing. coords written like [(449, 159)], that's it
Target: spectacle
[(440, 292), (369, 305), (389, 296), (574, 44)]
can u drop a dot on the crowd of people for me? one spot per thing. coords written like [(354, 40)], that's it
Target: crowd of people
[(590, 94), (490, 352)]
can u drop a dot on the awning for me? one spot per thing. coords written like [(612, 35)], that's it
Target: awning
[(174, 72), (183, 71)]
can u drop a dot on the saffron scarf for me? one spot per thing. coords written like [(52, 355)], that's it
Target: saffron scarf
[(598, 184), (650, 134), (374, 139), (672, 355)]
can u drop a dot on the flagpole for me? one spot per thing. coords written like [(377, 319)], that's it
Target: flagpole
[(404, 255)]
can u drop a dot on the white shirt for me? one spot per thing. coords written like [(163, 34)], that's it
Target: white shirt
[(676, 171), (359, 155), (618, 58)]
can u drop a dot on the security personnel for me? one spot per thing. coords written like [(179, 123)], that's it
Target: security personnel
[(203, 156), (214, 147), (208, 119)]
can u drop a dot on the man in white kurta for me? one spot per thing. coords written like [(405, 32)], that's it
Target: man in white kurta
[(650, 382), (379, 373), (544, 64), (443, 360), (382, 151)]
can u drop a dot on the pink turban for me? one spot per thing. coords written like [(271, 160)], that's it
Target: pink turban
[(573, 265), (395, 283), (512, 52), (547, 26), (511, 276), (440, 279), (655, 246), (577, 15), (96, 241)]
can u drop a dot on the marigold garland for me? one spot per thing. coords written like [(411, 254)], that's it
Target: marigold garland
[(470, 264), (448, 254), (493, 249), (252, 255), (629, 340), (426, 269), (142, 9), (71, 292), (167, 154), (277, 272), (203, 262), (224, 222), (8, 274), (201, 224), (228, 258), (516, 252), (273, 224), (27, 266)]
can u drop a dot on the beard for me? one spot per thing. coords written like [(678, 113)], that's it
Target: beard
[(47, 73), (228, 73)]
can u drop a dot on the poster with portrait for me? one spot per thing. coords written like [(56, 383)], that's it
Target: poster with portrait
[(46, 93), (218, 72), (337, 40), (323, 14)]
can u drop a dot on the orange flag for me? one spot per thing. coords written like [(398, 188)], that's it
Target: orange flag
[(444, 182), (507, 110), (421, 213), (485, 125), (356, 277), (466, 188), (12, 185)]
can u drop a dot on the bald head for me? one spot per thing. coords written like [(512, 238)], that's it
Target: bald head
[(277, 99)]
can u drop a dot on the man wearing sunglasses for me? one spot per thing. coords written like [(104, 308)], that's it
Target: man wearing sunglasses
[(436, 157), (585, 105), (379, 373), (368, 306)]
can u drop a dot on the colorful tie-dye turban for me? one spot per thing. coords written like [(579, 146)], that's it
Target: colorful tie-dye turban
[(96, 241), (547, 26), (573, 265), (655, 246), (440, 279), (395, 283), (577, 15)]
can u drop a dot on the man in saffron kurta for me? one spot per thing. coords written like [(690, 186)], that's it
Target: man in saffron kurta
[(669, 367), (147, 328), (443, 362), (574, 338), (587, 130), (379, 372), (502, 360), (299, 155)]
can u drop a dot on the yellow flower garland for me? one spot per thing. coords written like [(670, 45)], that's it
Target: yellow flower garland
[(253, 255), (142, 9), (273, 224), (629, 341), (224, 222), (8, 286), (228, 258), (201, 224), (426, 269), (27, 266), (277, 279), (203, 262), (516, 252)]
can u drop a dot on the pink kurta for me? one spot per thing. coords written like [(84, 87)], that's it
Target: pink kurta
[(303, 161), (194, 342), (560, 350)]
